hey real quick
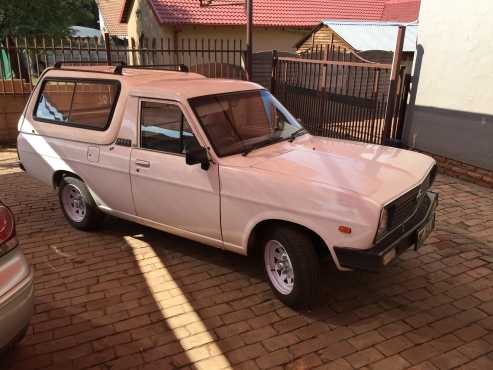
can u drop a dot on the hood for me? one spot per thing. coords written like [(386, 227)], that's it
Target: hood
[(376, 172)]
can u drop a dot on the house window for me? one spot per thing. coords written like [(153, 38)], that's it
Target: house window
[(78, 103), (163, 127)]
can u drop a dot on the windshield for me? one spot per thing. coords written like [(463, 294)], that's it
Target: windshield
[(241, 121)]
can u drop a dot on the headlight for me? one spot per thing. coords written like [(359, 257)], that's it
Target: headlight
[(383, 223)]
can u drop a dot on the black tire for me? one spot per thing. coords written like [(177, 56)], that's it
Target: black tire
[(305, 262), (92, 217)]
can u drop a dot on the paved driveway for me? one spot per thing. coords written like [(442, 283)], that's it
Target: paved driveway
[(132, 297)]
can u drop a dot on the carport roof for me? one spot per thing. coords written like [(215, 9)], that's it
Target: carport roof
[(364, 36)]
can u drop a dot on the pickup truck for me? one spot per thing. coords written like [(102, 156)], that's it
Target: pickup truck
[(223, 162)]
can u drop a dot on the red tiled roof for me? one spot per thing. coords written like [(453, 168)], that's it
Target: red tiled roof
[(111, 10), (401, 10), (272, 13)]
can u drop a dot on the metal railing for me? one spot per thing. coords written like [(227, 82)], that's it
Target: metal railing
[(22, 60), (338, 94)]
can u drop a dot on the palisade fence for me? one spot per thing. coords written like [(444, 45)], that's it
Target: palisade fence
[(336, 93), (22, 60)]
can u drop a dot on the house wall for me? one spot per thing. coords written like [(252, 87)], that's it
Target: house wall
[(142, 21), (264, 39), (451, 110)]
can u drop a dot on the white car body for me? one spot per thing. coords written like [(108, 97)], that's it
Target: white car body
[(318, 183), (16, 285)]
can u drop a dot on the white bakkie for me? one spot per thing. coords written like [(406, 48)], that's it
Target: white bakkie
[(222, 162)]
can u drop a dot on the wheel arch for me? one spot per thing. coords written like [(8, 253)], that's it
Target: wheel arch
[(262, 227), (60, 174)]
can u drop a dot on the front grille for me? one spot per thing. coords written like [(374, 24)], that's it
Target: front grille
[(408, 225), (403, 207)]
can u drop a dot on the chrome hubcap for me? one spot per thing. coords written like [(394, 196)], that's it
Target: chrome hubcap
[(73, 203), (279, 267)]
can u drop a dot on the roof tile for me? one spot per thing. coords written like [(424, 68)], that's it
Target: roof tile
[(279, 13), (401, 10), (292, 13), (111, 11)]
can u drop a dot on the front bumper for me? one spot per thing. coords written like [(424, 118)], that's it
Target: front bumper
[(393, 244)]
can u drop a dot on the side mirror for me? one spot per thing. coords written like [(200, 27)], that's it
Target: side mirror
[(198, 155)]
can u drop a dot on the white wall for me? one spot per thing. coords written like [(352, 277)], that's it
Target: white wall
[(452, 114), (457, 69)]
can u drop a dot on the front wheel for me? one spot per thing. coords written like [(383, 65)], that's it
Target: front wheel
[(292, 266)]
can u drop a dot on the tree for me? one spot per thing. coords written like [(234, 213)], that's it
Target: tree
[(22, 18), (49, 17)]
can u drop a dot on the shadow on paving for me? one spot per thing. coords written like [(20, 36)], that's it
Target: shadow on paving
[(132, 297)]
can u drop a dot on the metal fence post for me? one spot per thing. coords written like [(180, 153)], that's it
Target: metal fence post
[(273, 78), (404, 91), (324, 68), (394, 75), (132, 45), (249, 47), (107, 45)]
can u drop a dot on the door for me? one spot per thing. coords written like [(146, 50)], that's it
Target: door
[(165, 189)]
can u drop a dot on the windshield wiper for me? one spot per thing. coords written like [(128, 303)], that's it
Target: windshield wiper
[(297, 133), (259, 145)]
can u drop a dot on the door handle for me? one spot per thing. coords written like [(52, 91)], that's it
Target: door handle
[(141, 163)]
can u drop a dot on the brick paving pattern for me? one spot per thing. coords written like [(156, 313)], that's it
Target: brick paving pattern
[(129, 297)]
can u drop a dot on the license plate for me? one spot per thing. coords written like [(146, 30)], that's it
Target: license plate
[(426, 230)]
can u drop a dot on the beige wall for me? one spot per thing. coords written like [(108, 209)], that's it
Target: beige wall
[(457, 42), (143, 21), (264, 39)]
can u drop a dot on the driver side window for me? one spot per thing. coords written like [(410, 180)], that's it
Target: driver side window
[(163, 127)]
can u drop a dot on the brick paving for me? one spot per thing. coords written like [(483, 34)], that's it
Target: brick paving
[(131, 297)]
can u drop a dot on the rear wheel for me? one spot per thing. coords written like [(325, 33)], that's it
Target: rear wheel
[(292, 266), (78, 206)]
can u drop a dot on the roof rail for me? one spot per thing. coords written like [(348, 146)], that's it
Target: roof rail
[(181, 67), (118, 67), (60, 63), (117, 70)]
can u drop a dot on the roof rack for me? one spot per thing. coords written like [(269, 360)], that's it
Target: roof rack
[(117, 70), (181, 67), (119, 67)]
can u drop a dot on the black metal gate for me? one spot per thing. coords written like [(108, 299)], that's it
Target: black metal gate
[(342, 95)]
